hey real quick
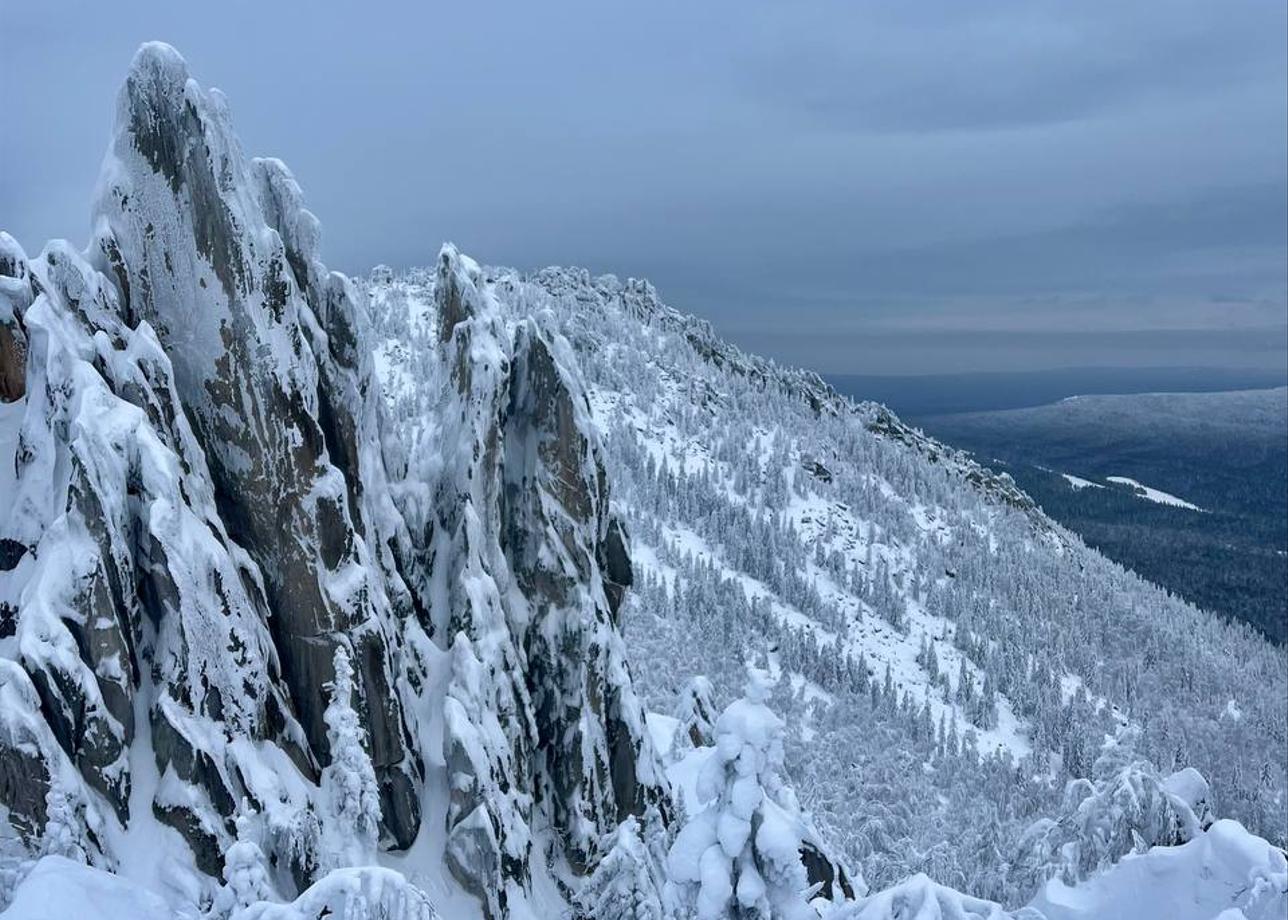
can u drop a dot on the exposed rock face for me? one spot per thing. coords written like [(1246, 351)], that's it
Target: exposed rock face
[(15, 296), (556, 534), (131, 580), (209, 500), (253, 326), (540, 690)]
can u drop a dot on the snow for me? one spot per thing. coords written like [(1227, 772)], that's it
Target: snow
[(1225, 869), (1077, 482), (1158, 496), (60, 889), (10, 422), (469, 679), (715, 857), (920, 898), (662, 729)]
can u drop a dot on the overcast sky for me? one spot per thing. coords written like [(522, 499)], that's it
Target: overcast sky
[(861, 187)]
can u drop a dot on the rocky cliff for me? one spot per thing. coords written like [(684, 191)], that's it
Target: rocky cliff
[(208, 500)]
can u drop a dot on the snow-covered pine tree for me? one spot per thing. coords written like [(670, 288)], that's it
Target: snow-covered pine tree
[(628, 883), (1127, 806), (350, 797), (740, 856), (696, 711), (64, 833), (246, 873)]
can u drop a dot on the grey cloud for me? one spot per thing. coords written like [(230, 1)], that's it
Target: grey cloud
[(990, 65), (1006, 165)]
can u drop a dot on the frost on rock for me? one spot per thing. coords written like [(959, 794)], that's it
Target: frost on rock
[(539, 707), (488, 728), (130, 577), (214, 518), (557, 532)]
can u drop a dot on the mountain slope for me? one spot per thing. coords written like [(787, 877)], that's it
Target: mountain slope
[(765, 509)]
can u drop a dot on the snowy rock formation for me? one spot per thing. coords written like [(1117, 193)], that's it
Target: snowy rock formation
[(322, 597), (210, 525)]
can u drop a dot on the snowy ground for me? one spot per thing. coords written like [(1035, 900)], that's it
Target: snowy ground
[(1226, 874)]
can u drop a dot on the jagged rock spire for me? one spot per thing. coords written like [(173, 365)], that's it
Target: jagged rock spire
[(524, 513), (183, 227)]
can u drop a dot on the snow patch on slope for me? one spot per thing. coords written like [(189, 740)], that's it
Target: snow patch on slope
[(1158, 496)]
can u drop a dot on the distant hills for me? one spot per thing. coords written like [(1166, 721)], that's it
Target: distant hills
[(941, 394), (1225, 452)]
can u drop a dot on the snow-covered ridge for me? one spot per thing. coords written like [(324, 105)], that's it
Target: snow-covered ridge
[(639, 299)]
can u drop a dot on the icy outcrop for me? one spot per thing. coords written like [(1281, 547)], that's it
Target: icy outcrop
[(128, 577), (559, 535)]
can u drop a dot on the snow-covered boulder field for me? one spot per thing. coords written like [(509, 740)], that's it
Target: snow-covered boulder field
[(469, 593)]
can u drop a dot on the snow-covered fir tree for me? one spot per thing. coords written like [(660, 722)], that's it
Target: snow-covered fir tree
[(630, 881), (64, 833), (246, 876), (740, 856), (351, 800)]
